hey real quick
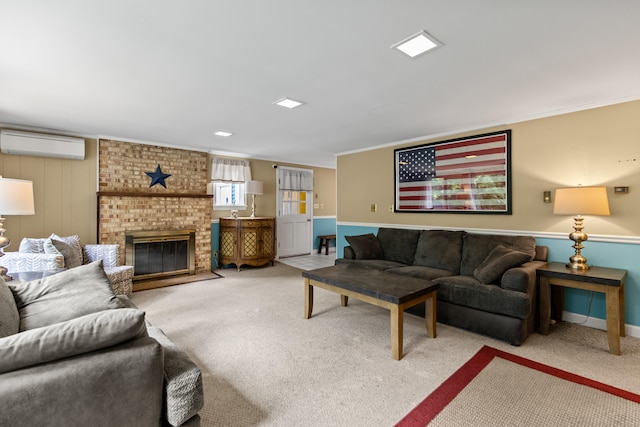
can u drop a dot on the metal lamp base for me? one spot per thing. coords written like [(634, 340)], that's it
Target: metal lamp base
[(253, 206), (577, 261)]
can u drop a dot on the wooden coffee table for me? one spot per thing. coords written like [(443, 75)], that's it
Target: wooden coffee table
[(391, 291)]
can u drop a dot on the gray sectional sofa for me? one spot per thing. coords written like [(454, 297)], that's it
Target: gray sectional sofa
[(487, 282), (74, 353)]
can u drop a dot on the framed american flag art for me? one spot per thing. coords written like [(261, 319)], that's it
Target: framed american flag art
[(464, 175)]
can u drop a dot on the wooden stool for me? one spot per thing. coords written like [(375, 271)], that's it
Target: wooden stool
[(324, 241)]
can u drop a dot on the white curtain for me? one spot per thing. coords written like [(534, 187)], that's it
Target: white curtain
[(296, 180), (229, 170)]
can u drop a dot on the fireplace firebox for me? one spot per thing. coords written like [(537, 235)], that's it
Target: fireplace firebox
[(160, 253)]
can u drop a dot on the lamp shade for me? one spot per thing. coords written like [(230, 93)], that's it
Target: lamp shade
[(254, 187), (581, 201), (16, 197)]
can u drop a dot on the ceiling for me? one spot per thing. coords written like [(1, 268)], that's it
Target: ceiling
[(172, 72)]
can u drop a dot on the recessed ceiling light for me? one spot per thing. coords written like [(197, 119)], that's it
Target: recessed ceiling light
[(289, 103), (222, 133), (417, 44)]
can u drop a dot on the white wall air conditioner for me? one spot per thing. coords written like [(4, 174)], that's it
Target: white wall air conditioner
[(42, 145)]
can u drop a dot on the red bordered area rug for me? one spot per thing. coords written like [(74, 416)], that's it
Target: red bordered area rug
[(495, 388)]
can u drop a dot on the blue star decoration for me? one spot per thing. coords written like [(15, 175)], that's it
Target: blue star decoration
[(158, 177)]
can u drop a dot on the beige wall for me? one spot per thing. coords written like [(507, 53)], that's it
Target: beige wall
[(324, 182), (64, 196), (66, 202), (594, 147)]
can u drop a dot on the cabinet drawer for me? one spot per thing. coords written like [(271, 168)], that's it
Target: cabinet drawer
[(253, 223)]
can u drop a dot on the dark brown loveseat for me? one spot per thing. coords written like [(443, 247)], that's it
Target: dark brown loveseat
[(487, 282)]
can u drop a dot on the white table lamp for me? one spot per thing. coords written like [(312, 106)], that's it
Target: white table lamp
[(253, 188), (16, 198)]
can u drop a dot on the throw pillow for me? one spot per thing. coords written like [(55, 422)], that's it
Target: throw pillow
[(74, 241), (76, 336), (499, 260), (72, 293), (366, 246), (58, 247), (9, 316), (398, 244), (31, 246)]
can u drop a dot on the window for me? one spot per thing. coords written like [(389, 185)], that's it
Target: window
[(228, 177), (229, 195), (294, 202)]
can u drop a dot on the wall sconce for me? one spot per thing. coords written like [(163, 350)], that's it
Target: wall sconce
[(620, 190), (546, 196)]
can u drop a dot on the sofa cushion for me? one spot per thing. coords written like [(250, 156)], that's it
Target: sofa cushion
[(476, 247), (182, 378), (73, 241), (31, 246), (64, 296), (441, 249), (499, 260), (399, 244), (469, 292), (9, 316), (420, 272), (76, 336), (58, 247), (366, 246), (375, 264)]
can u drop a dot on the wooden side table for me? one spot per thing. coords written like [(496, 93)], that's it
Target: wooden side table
[(609, 281)]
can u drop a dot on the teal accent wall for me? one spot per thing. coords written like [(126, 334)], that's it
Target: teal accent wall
[(215, 244), (605, 254), (321, 227)]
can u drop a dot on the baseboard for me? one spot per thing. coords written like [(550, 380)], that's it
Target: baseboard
[(592, 322)]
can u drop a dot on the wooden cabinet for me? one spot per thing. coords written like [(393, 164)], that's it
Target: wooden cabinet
[(247, 241)]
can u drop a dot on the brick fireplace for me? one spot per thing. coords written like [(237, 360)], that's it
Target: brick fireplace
[(127, 205)]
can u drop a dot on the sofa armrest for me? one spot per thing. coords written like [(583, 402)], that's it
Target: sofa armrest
[(65, 339), (18, 262), (542, 253), (184, 395), (118, 386), (109, 254), (348, 253), (523, 278)]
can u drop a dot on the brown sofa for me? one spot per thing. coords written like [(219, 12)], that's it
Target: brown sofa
[(487, 282)]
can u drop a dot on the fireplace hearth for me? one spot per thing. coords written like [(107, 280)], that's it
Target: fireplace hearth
[(160, 253)]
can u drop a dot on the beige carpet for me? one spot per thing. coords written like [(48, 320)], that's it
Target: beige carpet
[(265, 365)]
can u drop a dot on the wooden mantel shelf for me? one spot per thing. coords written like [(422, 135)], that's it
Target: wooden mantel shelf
[(155, 194)]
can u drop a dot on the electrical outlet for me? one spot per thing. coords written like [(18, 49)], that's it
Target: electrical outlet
[(374, 207), (391, 208)]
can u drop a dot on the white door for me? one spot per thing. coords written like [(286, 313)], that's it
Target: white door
[(294, 222)]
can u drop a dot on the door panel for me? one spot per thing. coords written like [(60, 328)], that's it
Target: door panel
[(294, 226)]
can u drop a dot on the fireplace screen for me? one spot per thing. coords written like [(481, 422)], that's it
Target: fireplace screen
[(161, 253)]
